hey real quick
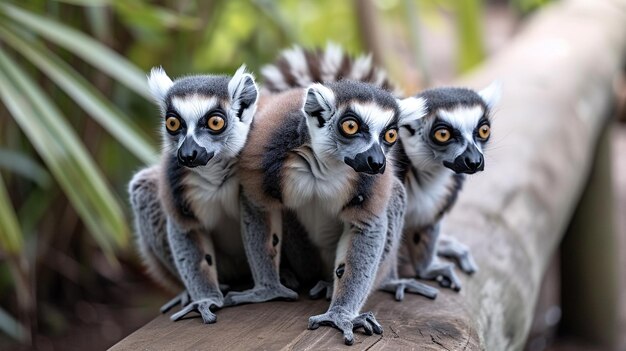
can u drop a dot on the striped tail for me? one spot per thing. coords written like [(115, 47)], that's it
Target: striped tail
[(298, 68)]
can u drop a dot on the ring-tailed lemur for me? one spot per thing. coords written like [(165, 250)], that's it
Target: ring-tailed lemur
[(436, 152), (438, 186), (187, 207), (320, 153)]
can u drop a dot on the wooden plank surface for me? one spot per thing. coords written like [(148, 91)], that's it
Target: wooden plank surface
[(557, 77), (415, 324)]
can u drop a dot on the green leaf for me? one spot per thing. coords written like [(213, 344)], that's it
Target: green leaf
[(25, 166), (469, 33), (139, 13), (86, 95), (65, 156), (10, 233), (86, 2), (81, 45)]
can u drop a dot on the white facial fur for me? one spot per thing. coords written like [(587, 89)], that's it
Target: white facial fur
[(327, 141), (193, 108), (465, 119)]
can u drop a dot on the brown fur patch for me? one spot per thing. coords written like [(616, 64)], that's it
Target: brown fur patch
[(270, 114)]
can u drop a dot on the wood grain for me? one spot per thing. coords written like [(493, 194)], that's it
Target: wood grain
[(557, 76)]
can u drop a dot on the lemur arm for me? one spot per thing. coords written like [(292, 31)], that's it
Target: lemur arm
[(358, 256), (194, 256), (423, 244), (151, 232), (262, 239), (388, 271)]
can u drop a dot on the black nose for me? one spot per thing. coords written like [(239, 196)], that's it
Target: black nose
[(190, 154), (375, 163), (187, 156), (371, 161), (473, 163), (469, 162)]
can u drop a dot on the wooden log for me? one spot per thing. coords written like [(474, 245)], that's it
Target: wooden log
[(557, 77)]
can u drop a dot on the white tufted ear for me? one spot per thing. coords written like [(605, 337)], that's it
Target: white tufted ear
[(491, 94), (411, 110), (243, 93), (319, 103), (159, 83)]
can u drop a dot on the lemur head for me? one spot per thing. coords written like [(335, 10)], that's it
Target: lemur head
[(454, 131), (204, 117), (353, 122)]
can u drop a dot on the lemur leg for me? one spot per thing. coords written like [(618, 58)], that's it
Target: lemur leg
[(389, 261), (450, 247), (423, 249), (357, 260), (301, 259), (151, 234), (194, 256), (262, 248)]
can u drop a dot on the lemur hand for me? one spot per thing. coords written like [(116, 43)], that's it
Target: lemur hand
[(451, 248), (339, 318), (201, 306), (182, 299), (399, 286), (321, 289)]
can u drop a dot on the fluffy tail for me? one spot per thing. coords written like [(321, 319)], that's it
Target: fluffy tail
[(298, 67)]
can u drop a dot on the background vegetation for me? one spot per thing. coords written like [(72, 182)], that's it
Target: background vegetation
[(75, 120)]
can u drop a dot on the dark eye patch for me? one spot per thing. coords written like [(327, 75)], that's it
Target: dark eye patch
[(173, 113), (218, 111), (351, 115)]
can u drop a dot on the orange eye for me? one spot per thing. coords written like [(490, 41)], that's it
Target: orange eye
[(172, 124), (484, 131), (350, 126), (216, 123), (442, 135), (391, 136)]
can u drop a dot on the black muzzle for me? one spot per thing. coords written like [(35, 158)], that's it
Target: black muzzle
[(469, 162), (191, 155), (371, 161)]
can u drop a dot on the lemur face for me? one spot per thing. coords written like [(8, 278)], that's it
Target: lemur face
[(204, 117), (454, 131), (353, 122)]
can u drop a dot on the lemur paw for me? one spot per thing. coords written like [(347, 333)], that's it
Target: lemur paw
[(201, 306), (451, 248), (339, 318), (443, 273), (368, 322), (399, 286), (182, 299), (262, 294), (322, 288)]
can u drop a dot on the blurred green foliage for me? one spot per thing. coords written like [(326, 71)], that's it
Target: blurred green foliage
[(75, 121)]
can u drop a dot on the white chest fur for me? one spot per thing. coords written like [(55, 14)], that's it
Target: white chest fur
[(213, 194), (426, 195), (317, 192), (307, 179)]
